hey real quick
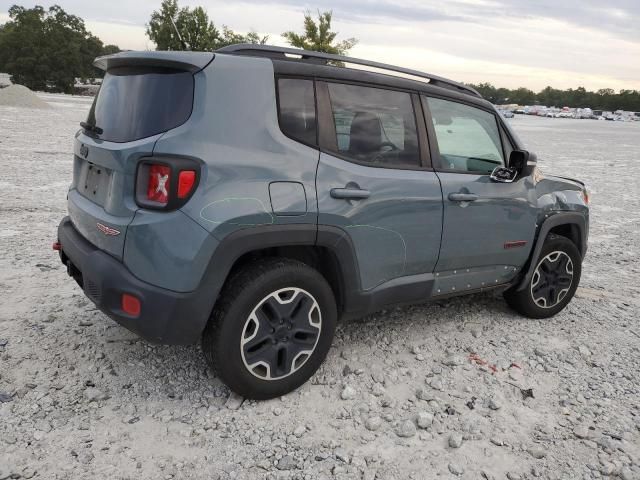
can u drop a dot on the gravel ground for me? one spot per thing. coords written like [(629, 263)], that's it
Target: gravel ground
[(437, 390)]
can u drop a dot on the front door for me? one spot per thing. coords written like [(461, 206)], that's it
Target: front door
[(373, 182), (488, 227)]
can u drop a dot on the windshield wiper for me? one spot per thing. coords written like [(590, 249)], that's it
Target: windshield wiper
[(91, 128)]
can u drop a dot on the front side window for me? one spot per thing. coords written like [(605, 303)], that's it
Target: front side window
[(374, 126), (468, 137), (297, 109)]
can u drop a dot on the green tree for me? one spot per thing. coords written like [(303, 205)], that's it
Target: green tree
[(229, 37), (522, 96), (175, 28), (319, 37), (47, 49)]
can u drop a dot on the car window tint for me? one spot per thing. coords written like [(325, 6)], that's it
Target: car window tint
[(374, 126), (468, 138), (138, 102), (297, 109)]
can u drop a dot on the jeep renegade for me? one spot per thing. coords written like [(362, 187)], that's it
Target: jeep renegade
[(250, 197)]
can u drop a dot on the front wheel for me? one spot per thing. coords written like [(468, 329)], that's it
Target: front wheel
[(271, 329), (553, 283)]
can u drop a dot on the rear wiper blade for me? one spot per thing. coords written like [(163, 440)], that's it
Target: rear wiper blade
[(91, 128)]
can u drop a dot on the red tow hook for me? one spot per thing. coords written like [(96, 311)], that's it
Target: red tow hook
[(57, 246)]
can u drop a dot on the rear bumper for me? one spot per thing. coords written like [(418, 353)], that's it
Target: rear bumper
[(165, 316)]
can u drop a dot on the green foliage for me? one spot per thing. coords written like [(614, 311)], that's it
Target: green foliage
[(319, 37), (47, 49), (603, 99), (192, 31)]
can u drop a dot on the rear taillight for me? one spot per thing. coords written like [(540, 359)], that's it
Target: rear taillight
[(186, 181), (158, 184), (166, 183)]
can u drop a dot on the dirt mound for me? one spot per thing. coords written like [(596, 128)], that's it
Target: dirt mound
[(21, 96)]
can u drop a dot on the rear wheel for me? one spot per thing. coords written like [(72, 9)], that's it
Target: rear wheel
[(553, 283), (271, 329)]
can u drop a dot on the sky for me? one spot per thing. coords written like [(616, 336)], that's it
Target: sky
[(509, 43)]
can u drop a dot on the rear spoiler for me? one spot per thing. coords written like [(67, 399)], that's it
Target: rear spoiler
[(190, 61)]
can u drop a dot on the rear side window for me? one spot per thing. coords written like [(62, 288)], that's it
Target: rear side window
[(139, 102), (374, 126), (468, 137), (297, 110)]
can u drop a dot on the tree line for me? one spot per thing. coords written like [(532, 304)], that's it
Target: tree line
[(603, 99)]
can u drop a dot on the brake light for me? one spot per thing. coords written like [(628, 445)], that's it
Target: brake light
[(159, 182), (166, 183), (186, 181)]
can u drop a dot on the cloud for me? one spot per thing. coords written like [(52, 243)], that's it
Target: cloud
[(507, 42)]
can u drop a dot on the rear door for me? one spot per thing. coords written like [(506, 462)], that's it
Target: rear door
[(375, 182), (134, 107), (488, 227)]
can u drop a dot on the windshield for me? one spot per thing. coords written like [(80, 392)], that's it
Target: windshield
[(138, 102)]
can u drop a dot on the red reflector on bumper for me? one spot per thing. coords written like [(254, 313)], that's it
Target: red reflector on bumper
[(57, 246), (130, 305)]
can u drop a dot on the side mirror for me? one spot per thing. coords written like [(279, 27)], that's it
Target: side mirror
[(522, 162)]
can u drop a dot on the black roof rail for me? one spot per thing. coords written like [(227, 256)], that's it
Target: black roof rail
[(282, 52)]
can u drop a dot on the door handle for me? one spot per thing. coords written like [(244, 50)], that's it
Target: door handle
[(350, 193), (463, 197)]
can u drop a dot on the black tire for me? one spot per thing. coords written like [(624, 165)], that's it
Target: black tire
[(248, 304), (545, 287)]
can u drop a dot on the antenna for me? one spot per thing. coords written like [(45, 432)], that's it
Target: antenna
[(182, 42)]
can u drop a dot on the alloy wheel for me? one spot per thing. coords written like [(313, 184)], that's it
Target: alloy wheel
[(552, 279), (281, 333)]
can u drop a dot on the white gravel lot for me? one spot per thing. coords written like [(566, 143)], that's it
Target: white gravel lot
[(405, 393)]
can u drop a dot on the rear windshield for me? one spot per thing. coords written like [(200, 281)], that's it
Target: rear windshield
[(138, 102)]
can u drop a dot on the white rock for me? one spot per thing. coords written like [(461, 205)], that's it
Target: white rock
[(537, 452), (348, 393), (406, 429), (453, 360), (581, 432), (378, 390), (456, 469), (436, 384), (455, 440), (584, 351), (373, 423), (424, 419)]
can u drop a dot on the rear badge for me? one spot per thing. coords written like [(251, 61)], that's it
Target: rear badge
[(107, 230)]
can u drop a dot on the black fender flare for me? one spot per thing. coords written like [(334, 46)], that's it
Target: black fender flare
[(554, 220), (247, 240)]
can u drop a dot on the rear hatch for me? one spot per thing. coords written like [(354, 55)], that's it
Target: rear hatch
[(142, 96)]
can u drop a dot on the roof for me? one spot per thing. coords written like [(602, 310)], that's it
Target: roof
[(307, 56)]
